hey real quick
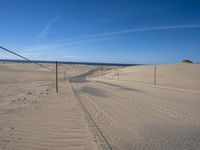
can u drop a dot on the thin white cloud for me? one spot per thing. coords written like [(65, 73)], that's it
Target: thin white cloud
[(115, 33), (45, 31), (141, 30), (64, 44)]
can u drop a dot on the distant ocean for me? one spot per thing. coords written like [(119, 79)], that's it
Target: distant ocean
[(65, 62)]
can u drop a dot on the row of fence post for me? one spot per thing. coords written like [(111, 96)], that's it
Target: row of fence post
[(103, 74)]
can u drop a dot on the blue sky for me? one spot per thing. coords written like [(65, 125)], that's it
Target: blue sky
[(114, 31)]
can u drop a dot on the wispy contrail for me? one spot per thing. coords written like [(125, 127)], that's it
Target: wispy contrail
[(128, 31), (141, 30), (45, 31), (65, 44), (103, 36)]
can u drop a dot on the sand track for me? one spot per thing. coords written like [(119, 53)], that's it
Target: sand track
[(135, 117), (154, 104)]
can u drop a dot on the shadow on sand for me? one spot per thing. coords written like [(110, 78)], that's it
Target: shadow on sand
[(93, 91)]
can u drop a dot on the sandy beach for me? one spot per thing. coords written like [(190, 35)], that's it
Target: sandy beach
[(117, 108)]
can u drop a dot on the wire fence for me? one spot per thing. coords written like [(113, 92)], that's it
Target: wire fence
[(48, 67), (145, 74), (184, 76)]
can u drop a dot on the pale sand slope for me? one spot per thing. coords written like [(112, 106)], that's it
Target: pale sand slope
[(186, 76), (33, 116)]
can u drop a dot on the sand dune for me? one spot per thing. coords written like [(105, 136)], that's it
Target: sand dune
[(186, 76), (96, 112)]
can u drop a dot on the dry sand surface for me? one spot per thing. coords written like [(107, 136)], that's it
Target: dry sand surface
[(186, 76), (33, 116), (98, 113)]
